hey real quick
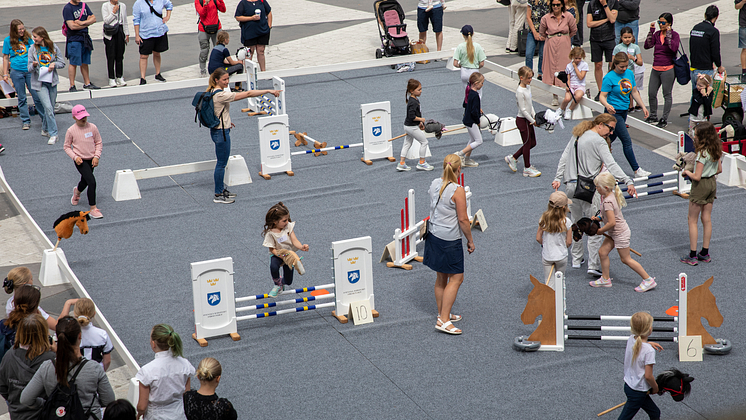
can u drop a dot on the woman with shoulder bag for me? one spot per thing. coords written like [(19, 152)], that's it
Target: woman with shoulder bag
[(208, 25), (517, 20), (116, 37), (587, 152)]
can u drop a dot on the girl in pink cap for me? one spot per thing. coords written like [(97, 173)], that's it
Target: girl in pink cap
[(83, 145)]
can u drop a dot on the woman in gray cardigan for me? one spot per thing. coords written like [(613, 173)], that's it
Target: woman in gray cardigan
[(44, 57)]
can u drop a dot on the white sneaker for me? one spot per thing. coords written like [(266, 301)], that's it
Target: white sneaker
[(510, 160), (641, 173), (462, 156), (471, 163), (52, 140), (112, 83), (568, 114), (555, 101), (203, 73), (531, 172), (44, 133), (121, 82)]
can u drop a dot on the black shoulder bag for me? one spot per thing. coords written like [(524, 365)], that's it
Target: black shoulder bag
[(152, 10), (111, 30), (209, 29), (585, 188)]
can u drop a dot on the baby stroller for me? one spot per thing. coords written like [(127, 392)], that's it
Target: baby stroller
[(394, 39)]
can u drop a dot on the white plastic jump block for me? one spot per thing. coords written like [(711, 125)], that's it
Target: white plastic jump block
[(508, 134), (125, 181), (414, 151), (581, 112), (50, 273), (734, 170)]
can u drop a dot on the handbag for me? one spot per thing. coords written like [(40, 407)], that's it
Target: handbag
[(428, 225), (585, 188), (64, 24), (522, 38), (111, 30), (681, 68)]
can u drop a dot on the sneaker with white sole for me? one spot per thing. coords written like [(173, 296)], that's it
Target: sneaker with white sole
[(112, 83), (594, 272), (424, 167), (470, 163), (229, 194), (222, 199), (402, 167), (462, 156), (579, 265), (96, 214), (647, 284), (512, 163), (568, 114), (275, 290), (44, 133), (641, 173), (52, 140), (555, 100), (601, 282), (26, 126), (120, 81), (531, 171), (75, 199)]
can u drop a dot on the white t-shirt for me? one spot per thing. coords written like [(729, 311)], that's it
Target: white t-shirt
[(280, 240), (166, 376), (95, 343), (9, 308), (634, 373), (574, 79), (554, 247)]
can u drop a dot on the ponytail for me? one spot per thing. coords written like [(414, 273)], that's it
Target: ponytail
[(68, 331), (640, 324), (166, 338), (451, 165), (469, 49), (214, 77)]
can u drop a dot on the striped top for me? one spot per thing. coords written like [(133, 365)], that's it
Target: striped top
[(84, 142)]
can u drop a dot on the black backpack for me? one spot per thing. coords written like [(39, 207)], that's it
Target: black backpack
[(64, 403), (7, 338)]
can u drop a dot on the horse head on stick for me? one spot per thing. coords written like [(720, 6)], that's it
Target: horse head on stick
[(65, 225)]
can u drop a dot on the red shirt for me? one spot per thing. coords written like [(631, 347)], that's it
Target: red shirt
[(208, 12)]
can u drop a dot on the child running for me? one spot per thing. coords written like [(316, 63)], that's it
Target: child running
[(525, 122), (639, 358), (554, 235), (576, 71), (94, 342), (204, 404), (612, 200), (628, 46), (704, 187), (164, 380), (279, 237), (700, 108), (472, 113), (83, 145), (413, 126)]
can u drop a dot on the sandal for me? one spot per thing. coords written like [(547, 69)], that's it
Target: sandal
[(444, 328), (454, 318)]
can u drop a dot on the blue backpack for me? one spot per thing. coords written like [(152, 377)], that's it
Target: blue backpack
[(204, 110)]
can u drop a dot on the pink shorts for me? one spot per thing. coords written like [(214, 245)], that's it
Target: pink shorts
[(622, 240), (575, 87)]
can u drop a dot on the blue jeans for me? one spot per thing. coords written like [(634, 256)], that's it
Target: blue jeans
[(21, 79), (531, 46), (637, 400), (621, 131), (634, 25), (47, 98), (222, 152), (694, 74)]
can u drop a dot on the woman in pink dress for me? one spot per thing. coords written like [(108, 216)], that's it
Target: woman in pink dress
[(558, 27)]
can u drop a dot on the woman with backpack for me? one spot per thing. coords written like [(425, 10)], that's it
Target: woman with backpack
[(31, 349), (221, 133), (70, 370)]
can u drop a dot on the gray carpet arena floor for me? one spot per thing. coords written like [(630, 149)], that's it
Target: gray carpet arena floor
[(135, 261)]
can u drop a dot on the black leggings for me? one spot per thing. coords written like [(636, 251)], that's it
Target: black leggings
[(87, 180), (274, 269)]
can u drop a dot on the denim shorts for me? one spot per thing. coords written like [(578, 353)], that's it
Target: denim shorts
[(77, 54), (434, 16), (742, 37)]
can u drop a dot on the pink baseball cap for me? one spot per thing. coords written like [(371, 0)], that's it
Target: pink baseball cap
[(79, 112)]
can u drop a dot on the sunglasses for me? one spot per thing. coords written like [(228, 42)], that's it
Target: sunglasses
[(662, 23), (611, 129), (556, 5)]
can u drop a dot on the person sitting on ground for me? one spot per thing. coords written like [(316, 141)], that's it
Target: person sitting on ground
[(220, 57)]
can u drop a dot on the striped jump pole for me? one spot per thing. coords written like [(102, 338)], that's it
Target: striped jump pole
[(286, 292), (325, 149), (673, 180), (285, 302), (285, 311)]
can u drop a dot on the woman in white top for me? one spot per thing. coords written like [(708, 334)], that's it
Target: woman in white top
[(443, 249), (115, 14), (469, 56), (95, 343), (164, 380)]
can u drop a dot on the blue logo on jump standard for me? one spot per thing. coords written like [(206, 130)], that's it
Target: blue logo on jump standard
[(353, 276), (213, 298), (377, 131), (274, 144)]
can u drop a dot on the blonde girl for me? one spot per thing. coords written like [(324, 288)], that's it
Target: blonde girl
[(444, 252), (526, 120), (469, 57), (413, 126), (639, 358), (94, 342), (165, 379), (18, 277), (576, 71), (204, 403), (704, 187), (612, 200), (44, 58), (279, 238), (554, 235), (472, 114)]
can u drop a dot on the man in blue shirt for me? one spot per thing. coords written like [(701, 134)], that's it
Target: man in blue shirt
[(79, 44), (151, 32)]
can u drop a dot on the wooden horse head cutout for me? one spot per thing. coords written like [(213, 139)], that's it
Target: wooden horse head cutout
[(701, 304), (541, 302), (65, 225)]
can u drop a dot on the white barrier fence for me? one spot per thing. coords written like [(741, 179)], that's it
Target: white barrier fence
[(215, 304)]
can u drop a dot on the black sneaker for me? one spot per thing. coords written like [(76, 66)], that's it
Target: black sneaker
[(229, 194), (73, 89), (159, 78), (651, 120), (142, 81), (91, 86), (662, 123), (222, 199), (2, 149)]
